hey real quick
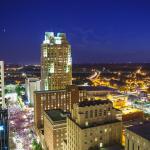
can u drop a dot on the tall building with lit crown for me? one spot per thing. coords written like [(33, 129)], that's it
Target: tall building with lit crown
[(56, 62), (92, 125), (2, 99)]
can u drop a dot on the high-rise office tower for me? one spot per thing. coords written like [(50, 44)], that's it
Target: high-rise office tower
[(56, 62), (2, 99)]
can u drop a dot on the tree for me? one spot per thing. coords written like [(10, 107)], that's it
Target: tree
[(36, 145), (19, 89)]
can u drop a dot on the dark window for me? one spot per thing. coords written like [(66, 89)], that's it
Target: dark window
[(86, 114), (95, 113), (91, 113)]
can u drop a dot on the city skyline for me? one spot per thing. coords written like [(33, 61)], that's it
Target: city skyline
[(76, 75), (99, 32)]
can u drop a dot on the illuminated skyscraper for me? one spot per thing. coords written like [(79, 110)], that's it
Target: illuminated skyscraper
[(2, 99), (56, 62)]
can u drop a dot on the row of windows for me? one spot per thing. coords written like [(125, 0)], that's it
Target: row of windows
[(95, 113)]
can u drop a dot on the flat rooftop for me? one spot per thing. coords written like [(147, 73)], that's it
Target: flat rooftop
[(56, 115), (96, 88), (94, 102), (49, 91), (130, 110), (143, 130)]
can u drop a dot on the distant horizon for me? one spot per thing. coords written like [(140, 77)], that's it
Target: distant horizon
[(82, 63)]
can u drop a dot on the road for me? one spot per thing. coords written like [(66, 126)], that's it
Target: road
[(21, 126)]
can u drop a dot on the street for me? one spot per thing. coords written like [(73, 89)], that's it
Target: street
[(21, 126)]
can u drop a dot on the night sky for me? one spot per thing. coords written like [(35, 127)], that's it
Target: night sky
[(100, 31)]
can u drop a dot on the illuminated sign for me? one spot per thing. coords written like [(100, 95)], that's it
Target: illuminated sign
[(1, 128)]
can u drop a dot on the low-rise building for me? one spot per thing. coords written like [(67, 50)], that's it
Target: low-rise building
[(138, 137), (32, 84), (55, 99), (99, 92), (54, 129), (92, 124)]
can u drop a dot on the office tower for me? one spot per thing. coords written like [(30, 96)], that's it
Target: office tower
[(55, 127), (92, 124), (4, 130), (56, 62), (2, 99), (138, 137), (32, 84), (55, 99)]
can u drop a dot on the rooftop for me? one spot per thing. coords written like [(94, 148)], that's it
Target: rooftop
[(56, 115), (49, 91), (94, 102), (143, 130), (96, 88)]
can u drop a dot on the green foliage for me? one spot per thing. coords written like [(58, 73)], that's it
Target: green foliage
[(6, 91), (36, 145), (19, 89)]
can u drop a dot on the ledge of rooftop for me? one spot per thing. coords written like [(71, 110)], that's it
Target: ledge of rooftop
[(142, 130), (49, 91), (95, 124)]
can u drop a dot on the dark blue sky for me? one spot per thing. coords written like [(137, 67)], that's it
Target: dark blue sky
[(100, 31)]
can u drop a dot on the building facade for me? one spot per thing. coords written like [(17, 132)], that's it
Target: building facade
[(56, 62), (55, 99), (55, 127), (2, 99), (32, 84), (4, 130), (92, 124), (138, 137)]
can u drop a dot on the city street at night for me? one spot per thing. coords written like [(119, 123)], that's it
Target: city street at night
[(21, 127)]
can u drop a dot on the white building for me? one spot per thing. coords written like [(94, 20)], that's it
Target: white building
[(2, 99), (32, 84)]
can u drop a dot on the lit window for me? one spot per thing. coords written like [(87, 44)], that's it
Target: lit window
[(101, 144), (45, 52), (86, 123)]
